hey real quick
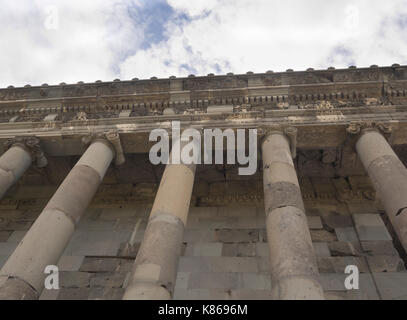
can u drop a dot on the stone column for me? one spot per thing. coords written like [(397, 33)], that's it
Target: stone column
[(17, 159), (293, 263), (22, 277), (389, 177), (155, 268)]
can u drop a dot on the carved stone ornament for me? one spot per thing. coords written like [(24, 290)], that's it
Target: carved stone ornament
[(32, 145), (112, 138)]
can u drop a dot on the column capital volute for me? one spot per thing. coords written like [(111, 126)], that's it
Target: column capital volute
[(289, 132), (32, 145), (111, 139), (358, 128)]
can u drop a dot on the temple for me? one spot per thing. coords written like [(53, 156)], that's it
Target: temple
[(78, 190)]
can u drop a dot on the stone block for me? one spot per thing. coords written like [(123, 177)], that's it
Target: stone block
[(262, 249), (182, 280), (239, 249), (338, 264), (314, 222), (5, 235), (93, 264), (213, 249), (73, 294), (346, 234), (218, 264), (346, 295), (246, 294), (334, 221), (391, 285), (205, 280), (199, 294), (357, 207), (7, 248), (368, 220), (208, 212), (360, 183), (254, 281), (237, 235), (199, 235), (322, 236), (97, 293), (336, 282), (69, 279), (323, 185), (219, 294), (343, 249), (108, 279), (264, 264), (96, 243), (367, 233), (49, 294), (128, 250), (18, 225), (321, 249), (379, 248), (17, 236), (89, 224), (385, 264), (70, 263), (3, 260), (236, 211)]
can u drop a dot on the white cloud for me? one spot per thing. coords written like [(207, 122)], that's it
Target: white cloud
[(267, 34), (99, 39), (70, 40)]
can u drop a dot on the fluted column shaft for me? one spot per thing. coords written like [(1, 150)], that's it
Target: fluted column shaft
[(294, 269), (13, 163), (155, 269), (22, 277), (389, 177)]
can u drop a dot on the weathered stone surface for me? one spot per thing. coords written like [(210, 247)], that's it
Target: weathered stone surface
[(322, 236), (314, 222), (321, 249), (237, 235), (5, 235), (385, 264), (374, 248), (108, 279), (343, 249), (346, 234), (69, 279), (338, 264), (70, 263), (74, 294), (392, 285), (336, 282), (204, 249), (218, 264), (334, 221), (213, 281), (106, 293), (93, 264)]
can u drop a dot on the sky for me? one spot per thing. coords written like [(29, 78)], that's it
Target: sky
[(45, 41)]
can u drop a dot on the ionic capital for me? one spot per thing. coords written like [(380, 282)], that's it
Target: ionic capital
[(31, 145), (111, 139), (357, 128)]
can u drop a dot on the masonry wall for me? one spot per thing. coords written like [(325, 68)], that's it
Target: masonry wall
[(225, 253)]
